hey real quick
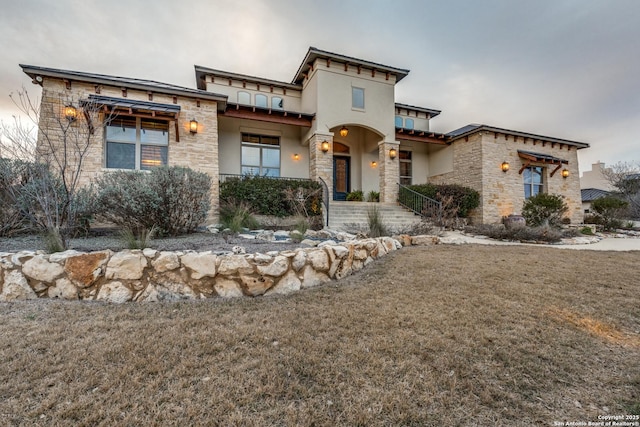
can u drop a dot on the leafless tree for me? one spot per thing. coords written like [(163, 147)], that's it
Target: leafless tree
[(625, 178), (53, 141)]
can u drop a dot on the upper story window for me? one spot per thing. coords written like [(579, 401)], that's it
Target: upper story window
[(408, 123), (260, 155), (136, 143), (399, 122), (533, 180), (261, 101), (357, 98), (244, 98), (277, 103)]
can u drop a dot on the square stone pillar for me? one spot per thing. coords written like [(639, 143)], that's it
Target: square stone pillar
[(321, 163), (389, 171)]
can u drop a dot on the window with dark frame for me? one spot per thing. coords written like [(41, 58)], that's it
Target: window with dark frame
[(136, 143), (260, 155), (533, 180), (406, 173)]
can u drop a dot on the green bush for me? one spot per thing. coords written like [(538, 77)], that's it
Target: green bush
[(266, 196), (173, 200), (464, 199), (373, 196), (609, 209), (355, 196), (544, 209)]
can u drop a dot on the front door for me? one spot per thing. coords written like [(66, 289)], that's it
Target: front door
[(341, 177)]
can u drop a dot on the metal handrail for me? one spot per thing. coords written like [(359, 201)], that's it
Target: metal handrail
[(325, 197), (225, 176), (419, 203)]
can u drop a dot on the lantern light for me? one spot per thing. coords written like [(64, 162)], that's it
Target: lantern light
[(344, 132), (565, 173), (70, 112), (393, 153), (193, 126), (324, 146), (504, 166)]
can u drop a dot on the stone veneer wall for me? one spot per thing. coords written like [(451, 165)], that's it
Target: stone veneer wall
[(198, 151), (150, 275), (476, 164)]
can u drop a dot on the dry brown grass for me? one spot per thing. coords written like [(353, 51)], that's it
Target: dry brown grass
[(427, 336)]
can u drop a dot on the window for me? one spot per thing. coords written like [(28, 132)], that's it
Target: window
[(260, 155), (261, 101), (136, 143), (405, 167), (533, 181), (408, 123), (244, 98), (357, 98), (277, 103), (399, 122)]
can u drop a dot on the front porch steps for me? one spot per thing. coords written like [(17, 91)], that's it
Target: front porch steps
[(352, 216)]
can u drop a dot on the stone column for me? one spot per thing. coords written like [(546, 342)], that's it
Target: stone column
[(389, 171), (321, 163)]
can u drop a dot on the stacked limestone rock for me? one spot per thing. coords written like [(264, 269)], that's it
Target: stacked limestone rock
[(150, 275)]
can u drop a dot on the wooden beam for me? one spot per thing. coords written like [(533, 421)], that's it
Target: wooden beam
[(373, 72), (400, 135), (526, 165), (175, 99), (555, 170), (177, 130), (328, 62), (67, 84), (387, 76), (150, 95), (98, 88), (359, 67), (124, 92), (285, 119), (346, 67)]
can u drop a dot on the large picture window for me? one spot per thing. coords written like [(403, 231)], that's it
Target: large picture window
[(136, 143), (533, 180), (260, 155)]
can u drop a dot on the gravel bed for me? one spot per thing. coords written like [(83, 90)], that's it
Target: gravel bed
[(201, 241)]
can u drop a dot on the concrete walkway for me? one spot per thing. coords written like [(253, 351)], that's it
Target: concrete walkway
[(607, 244)]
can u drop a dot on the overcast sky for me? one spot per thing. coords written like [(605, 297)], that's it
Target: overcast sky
[(562, 68)]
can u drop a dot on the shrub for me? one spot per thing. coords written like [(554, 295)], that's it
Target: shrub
[(355, 196), (237, 215), (373, 196), (13, 176), (464, 199), (544, 209), (266, 196), (174, 200), (610, 209), (520, 234)]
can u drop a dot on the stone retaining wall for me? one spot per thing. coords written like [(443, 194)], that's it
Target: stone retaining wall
[(150, 275)]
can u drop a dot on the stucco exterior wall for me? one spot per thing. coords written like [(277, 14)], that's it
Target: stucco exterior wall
[(198, 151)]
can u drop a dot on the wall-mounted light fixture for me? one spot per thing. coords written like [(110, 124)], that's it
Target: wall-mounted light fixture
[(193, 126), (393, 153), (296, 157), (324, 146), (344, 131), (504, 166), (70, 112), (565, 173), (374, 164)]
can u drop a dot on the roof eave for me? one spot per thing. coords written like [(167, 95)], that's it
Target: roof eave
[(577, 144), (33, 71), (203, 71)]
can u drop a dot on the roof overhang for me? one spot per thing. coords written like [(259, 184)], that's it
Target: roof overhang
[(202, 72), (36, 73), (469, 130), (251, 112), (423, 136), (539, 158), (313, 54), (429, 111)]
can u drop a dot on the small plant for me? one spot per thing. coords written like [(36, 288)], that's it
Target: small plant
[(138, 240), (544, 209), (237, 215), (373, 196), (586, 231), (630, 225), (53, 240), (355, 196), (302, 225), (376, 222)]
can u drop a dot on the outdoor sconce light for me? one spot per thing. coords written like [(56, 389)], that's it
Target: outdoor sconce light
[(70, 112), (344, 132), (296, 156), (393, 153), (324, 146), (504, 166), (565, 173), (374, 164), (193, 126)]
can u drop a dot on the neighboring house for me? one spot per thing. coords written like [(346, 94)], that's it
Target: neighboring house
[(589, 195), (337, 121), (594, 185)]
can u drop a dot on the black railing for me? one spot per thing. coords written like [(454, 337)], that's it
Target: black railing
[(419, 203), (325, 197), (225, 176)]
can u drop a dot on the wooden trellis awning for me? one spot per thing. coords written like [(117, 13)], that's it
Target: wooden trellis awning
[(539, 158)]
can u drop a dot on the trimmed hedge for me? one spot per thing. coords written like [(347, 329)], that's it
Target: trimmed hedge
[(465, 199), (266, 196)]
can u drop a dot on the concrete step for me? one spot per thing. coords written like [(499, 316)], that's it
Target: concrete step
[(349, 215)]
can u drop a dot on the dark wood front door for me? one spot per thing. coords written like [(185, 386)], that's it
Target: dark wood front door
[(341, 177)]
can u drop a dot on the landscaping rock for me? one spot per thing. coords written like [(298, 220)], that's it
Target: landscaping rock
[(16, 287), (61, 257), (227, 288), (309, 242), (287, 284), (200, 264), (313, 278), (234, 264), (277, 268), (425, 240), (267, 236), (38, 268), (126, 265), (114, 292), (256, 285), (319, 259), (166, 261), (63, 289), (299, 260), (84, 269)]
